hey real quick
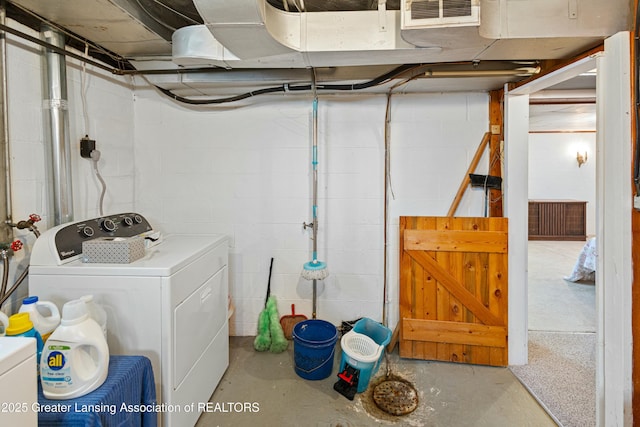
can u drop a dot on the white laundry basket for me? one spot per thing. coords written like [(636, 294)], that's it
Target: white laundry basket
[(362, 353)]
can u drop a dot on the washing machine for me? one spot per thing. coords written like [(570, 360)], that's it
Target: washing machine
[(170, 305)]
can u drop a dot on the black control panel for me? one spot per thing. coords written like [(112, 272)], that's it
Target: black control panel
[(69, 239)]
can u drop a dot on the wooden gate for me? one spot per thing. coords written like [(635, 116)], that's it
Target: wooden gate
[(453, 289)]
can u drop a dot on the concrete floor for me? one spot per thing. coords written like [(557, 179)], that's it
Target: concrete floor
[(262, 389)]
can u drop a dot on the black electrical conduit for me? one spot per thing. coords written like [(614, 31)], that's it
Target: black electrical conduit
[(294, 88), (636, 166)]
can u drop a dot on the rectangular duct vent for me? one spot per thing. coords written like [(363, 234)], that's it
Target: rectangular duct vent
[(439, 13)]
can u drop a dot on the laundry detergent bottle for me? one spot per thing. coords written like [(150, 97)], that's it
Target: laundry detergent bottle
[(75, 359), (96, 312), (44, 315), (4, 324), (20, 325)]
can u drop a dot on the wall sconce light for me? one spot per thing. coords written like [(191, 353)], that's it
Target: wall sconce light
[(581, 158)]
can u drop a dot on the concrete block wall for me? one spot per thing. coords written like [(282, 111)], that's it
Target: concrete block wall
[(109, 107), (245, 172)]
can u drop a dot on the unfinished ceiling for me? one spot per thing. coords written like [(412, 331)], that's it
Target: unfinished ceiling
[(249, 44)]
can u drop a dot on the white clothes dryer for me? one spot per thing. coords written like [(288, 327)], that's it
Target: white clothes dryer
[(170, 305), (18, 382)]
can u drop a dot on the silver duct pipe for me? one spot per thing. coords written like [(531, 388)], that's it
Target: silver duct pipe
[(6, 231), (56, 129)]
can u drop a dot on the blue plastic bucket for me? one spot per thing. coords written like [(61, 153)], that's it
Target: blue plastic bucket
[(314, 344)]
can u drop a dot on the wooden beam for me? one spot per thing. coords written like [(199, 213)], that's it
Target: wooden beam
[(406, 301), (454, 332), (496, 121), (471, 169), (456, 241)]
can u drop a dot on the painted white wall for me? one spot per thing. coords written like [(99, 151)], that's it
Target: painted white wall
[(433, 141), (554, 171), (110, 112), (245, 172)]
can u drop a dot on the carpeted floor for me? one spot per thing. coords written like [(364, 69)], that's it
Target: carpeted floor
[(556, 304), (561, 374), (562, 325)]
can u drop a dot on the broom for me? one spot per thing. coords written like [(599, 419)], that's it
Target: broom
[(262, 342), (278, 341)]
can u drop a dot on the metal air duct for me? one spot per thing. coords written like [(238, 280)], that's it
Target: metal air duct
[(56, 130)]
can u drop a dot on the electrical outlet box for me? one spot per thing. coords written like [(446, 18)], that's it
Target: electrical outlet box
[(86, 147)]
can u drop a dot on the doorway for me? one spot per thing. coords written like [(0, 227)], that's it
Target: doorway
[(613, 227), (561, 260)]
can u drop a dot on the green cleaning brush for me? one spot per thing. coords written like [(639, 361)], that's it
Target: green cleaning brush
[(262, 342), (278, 341)]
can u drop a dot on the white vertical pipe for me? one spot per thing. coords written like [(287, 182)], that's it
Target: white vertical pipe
[(56, 125)]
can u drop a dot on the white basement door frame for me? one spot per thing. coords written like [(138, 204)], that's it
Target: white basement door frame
[(613, 223)]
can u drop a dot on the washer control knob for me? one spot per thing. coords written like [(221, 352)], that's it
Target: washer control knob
[(137, 218), (108, 225), (87, 231), (127, 221)]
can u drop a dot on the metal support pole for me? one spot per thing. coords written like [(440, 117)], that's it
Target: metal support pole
[(6, 231)]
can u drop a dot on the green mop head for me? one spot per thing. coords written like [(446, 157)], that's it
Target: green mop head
[(279, 342), (262, 341)]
